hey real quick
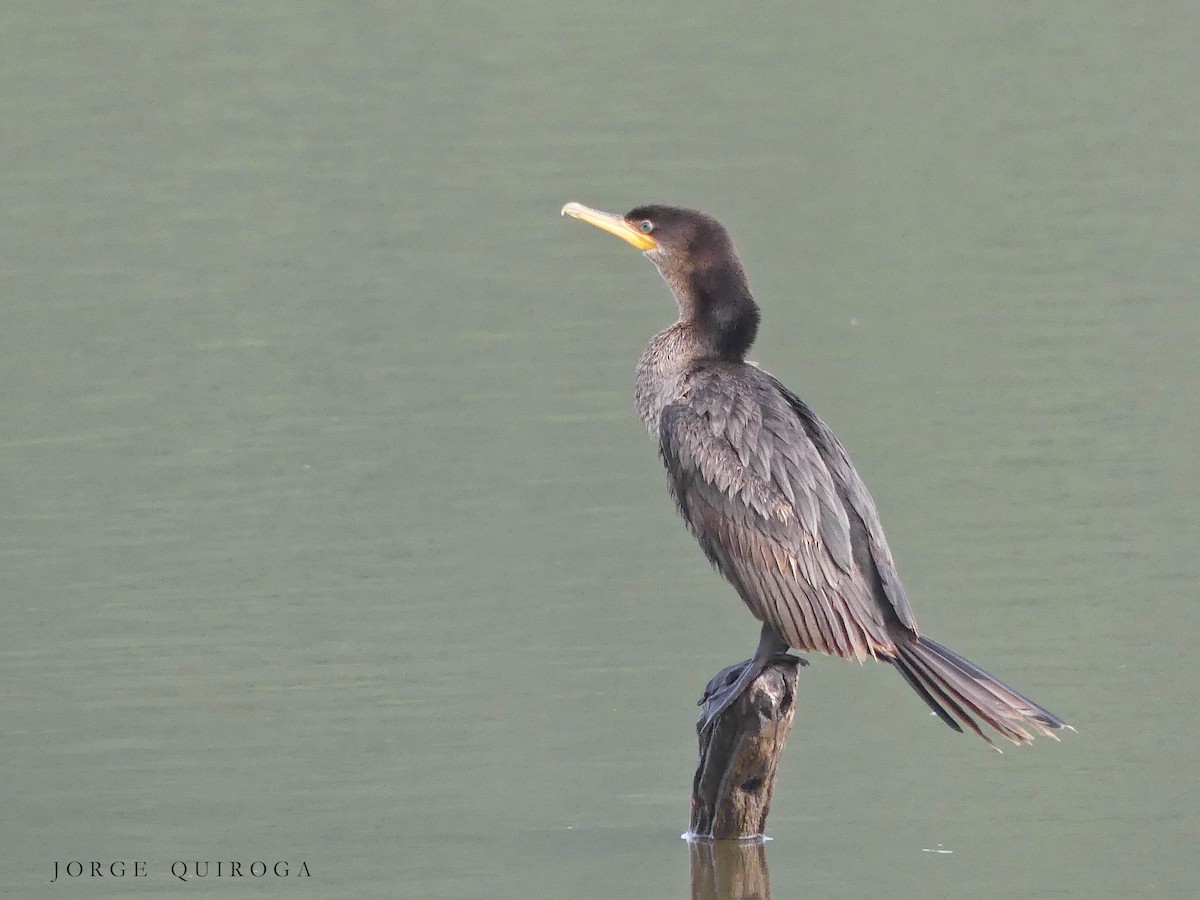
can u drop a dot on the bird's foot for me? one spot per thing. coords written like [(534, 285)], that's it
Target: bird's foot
[(727, 677), (728, 684), (723, 680), (789, 659)]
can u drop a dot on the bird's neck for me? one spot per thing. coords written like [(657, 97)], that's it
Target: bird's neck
[(717, 313), (721, 313), (718, 320)]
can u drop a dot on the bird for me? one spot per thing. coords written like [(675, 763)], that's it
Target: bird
[(771, 495)]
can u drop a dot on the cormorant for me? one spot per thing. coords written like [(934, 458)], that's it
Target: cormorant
[(770, 493)]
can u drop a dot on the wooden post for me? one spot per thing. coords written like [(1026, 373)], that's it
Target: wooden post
[(731, 794)]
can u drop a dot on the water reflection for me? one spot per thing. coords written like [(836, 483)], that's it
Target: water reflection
[(729, 870)]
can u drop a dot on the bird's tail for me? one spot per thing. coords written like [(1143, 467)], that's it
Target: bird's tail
[(961, 692)]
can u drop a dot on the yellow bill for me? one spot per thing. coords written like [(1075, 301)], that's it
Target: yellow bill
[(610, 223)]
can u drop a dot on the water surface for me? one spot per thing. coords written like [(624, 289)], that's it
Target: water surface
[(328, 532)]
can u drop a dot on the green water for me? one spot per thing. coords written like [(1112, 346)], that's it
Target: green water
[(328, 533)]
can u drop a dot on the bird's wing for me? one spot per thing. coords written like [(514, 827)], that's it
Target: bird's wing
[(773, 508), (859, 500)]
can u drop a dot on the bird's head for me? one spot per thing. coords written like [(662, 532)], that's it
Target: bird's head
[(676, 240), (696, 257)]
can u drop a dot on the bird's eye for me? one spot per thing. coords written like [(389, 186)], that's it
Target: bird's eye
[(647, 226)]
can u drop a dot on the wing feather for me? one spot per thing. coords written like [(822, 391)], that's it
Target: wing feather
[(866, 530), (780, 511)]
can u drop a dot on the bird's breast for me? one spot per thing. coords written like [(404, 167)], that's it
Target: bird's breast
[(659, 377)]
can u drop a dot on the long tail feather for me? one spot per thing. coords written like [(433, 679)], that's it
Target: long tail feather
[(961, 692)]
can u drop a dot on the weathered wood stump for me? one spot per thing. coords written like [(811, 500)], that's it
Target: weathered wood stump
[(735, 777)]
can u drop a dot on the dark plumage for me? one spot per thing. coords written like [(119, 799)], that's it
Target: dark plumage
[(770, 493)]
